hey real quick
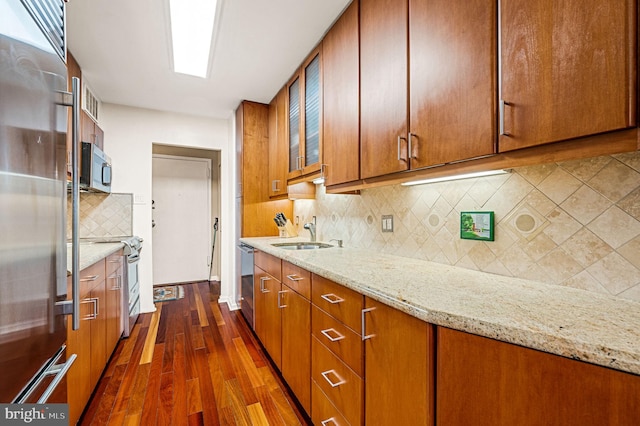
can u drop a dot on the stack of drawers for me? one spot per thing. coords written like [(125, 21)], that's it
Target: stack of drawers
[(337, 369)]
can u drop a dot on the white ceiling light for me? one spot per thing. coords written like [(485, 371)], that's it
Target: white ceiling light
[(457, 177), (192, 24)]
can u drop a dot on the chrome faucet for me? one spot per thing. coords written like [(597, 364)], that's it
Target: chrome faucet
[(312, 230)]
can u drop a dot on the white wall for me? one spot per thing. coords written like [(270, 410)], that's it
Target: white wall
[(129, 135)]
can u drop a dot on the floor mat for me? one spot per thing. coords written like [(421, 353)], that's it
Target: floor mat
[(167, 293)]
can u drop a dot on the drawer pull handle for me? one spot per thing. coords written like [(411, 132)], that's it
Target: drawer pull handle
[(294, 277), (366, 336), (280, 293), (332, 298), (340, 381), (327, 334), (330, 420), (262, 280), (94, 302), (89, 278)]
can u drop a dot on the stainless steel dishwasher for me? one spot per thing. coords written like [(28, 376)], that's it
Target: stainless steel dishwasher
[(246, 282)]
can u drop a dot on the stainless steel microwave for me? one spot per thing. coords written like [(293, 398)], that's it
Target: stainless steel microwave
[(95, 169)]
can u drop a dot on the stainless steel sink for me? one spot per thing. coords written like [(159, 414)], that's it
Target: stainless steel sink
[(301, 246)]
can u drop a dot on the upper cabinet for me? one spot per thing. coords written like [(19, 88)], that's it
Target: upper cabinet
[(452, 80), (428, 83), (568, 69), (341, 99), (278, 145), (305, 117), (384, 27)]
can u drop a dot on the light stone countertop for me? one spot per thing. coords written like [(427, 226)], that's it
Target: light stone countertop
[(92, 252), (574, 323)]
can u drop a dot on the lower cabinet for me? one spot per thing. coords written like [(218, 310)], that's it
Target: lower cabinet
[(99, 332), (399, 367), (295, 309), (483, 381), (268, 322)]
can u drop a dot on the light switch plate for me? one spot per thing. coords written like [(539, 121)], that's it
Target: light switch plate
[(387, 223)]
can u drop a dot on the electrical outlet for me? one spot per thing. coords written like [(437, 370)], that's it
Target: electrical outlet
[(387, 223)]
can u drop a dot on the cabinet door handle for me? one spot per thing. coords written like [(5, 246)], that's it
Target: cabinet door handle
[(503, 103), (400, 139), (280, 293), (410, 137), (94, 301), (89, 278), (332, 298), (262, 280), (333, 384), (330, 420), (274, 185), (294, 277), (327, 333), (366, 336)]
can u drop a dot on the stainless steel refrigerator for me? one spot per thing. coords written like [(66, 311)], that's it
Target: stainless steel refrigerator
[(33, 191)]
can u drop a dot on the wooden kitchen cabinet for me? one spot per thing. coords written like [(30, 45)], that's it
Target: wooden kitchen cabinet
[(73, 70), (90, 131), (79, 342), (427, 83), (568, 69), (341, 99), (114, 265), (295, 308), (99, 355), (486, 382), (384, 27), (255, 208), (399, 367), (452, 80), (268, 320), (304, 103), (337, 353), (278, 145)]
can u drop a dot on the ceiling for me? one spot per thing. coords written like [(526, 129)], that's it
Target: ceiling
[(123, 48)]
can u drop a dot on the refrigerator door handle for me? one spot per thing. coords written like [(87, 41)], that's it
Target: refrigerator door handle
[(60, 370), (50, 368), (74, 103)]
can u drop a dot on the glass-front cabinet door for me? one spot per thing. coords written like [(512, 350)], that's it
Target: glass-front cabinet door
[(305, 117)]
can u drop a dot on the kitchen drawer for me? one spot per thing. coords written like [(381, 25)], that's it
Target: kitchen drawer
[(114, 261), (92, 276), (297, 278), (323, 412), (338, 301), (340, 339), (339, 383), (270, 264)]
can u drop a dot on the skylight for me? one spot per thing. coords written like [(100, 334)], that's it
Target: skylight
[(191, 32)]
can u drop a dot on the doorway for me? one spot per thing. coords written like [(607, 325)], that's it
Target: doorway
[(185, 204)]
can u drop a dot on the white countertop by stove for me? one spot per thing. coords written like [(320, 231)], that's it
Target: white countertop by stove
[(574, 323)]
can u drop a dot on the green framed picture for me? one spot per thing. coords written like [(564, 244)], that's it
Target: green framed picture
[(476, 226)]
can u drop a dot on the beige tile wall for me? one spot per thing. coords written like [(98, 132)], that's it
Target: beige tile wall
[(103, 215), (573, 223)]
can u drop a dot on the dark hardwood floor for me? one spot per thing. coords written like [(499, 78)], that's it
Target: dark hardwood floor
[(192, 362)]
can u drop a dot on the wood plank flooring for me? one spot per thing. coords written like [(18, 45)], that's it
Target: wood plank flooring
[(192, 362)]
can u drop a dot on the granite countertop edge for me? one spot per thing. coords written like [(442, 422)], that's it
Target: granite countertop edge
[(573, 323), (92, 252)]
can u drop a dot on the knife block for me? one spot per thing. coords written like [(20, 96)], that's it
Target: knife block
[(288, 230)]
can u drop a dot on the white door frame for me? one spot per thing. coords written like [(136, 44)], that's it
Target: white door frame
[(209, 222)]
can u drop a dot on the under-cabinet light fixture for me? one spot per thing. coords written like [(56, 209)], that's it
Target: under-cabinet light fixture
[(192, 24), (457, 177)]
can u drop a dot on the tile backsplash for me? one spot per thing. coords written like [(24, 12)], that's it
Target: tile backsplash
[(574, 223), (103, 215)]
